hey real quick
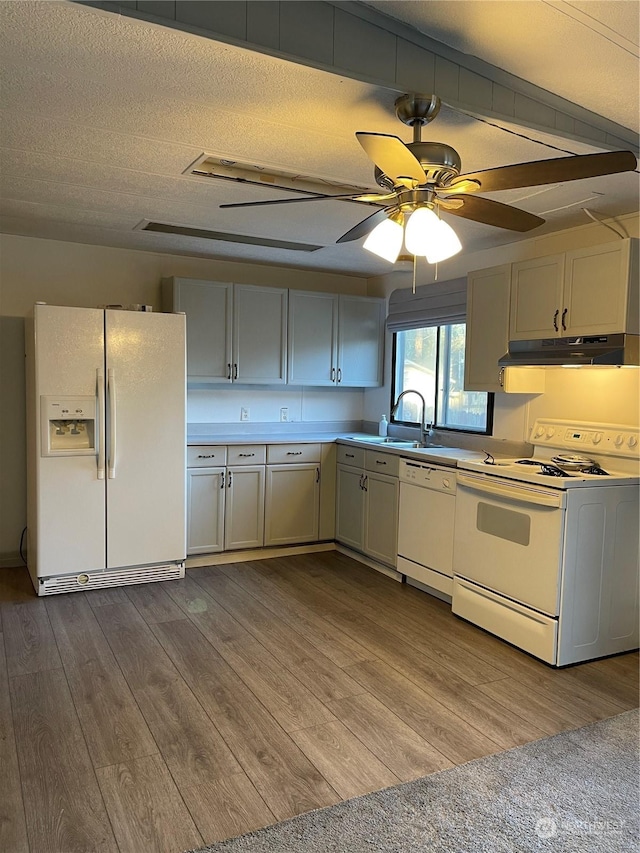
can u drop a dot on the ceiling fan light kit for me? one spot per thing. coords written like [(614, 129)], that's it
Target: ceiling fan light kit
[(386, 238), (420, 179)]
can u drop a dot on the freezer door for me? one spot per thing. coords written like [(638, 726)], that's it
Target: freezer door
[(66, 501), (146, 438)]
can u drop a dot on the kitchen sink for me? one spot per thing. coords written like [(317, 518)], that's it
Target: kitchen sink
[(396, 442)]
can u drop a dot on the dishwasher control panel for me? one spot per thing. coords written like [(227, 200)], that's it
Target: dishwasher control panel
[(427, 476)]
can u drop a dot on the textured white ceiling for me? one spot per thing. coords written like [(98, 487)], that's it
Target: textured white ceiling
[(102, 114)]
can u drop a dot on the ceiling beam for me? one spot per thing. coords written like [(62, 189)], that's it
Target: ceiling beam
[(356, 41)]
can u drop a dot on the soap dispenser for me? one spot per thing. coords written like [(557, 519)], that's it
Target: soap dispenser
[(383, 425)]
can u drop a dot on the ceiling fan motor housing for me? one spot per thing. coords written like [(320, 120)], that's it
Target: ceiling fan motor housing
[(441, 163)]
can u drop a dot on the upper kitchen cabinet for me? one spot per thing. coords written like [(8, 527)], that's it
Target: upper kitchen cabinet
[(208, 306), (235, 332), (487, 336), (592, 291), (335, 339)]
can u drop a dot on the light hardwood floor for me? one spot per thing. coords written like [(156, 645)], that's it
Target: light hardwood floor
[(164, 717)]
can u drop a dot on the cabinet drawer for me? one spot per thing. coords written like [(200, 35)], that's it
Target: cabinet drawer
[(246, 454), (278, 453), (384, 463), (206, 456), (350, 455)]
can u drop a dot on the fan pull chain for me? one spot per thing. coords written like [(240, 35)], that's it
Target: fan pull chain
[(415, 263)]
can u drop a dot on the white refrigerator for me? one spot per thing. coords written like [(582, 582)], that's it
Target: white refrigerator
[(106, 447)]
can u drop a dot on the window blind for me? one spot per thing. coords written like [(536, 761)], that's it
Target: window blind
[(437, 304)]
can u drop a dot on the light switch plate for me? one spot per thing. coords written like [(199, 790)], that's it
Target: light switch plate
[(244, 414), (284, 414)]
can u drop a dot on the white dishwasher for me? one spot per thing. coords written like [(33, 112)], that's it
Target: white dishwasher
[(425, 528)]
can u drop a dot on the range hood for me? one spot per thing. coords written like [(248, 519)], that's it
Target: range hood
[(613, 350)]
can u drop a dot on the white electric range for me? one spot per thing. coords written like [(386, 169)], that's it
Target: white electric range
[(546, 548)]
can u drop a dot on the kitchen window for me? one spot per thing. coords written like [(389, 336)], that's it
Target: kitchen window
[(430, 360)]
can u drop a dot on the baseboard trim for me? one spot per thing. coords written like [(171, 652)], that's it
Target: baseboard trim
[(11, 562), (361, 558), (226, 557)]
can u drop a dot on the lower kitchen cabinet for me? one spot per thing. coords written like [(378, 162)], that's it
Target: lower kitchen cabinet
[(244, 507), (205, 510), (225, 505), (249, 496), (292, 503), (381, 517), (367, 503), (350, 507)]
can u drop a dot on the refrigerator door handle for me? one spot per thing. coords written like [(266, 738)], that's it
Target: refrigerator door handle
[(111, 390), (100, 429)]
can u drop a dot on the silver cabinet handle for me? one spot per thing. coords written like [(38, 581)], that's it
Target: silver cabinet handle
[(206, 456), (379, 462), (555, 319), (222, 480), (317, 475), (364, 482), (229, 483), (350, 455), (246, 454), (235, 371), (333, 374), (294, 453), (339, 375), (228, 370), (501, 377), (564, 314)]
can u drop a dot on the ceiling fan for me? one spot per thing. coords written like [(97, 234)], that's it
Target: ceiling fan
[(425, 178)]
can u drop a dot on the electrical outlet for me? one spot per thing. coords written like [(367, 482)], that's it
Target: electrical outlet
[(244, 414), (284, 414)]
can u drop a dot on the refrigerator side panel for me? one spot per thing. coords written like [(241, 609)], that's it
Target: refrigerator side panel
[(146, 447), (66, 501)]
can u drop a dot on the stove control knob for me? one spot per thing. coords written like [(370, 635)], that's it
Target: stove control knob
[(596, 438), (551, 432), (632, 441), (539, 431), (619, 441), (446, 483)]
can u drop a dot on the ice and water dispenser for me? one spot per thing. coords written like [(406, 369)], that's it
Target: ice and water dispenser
[(68, 426)]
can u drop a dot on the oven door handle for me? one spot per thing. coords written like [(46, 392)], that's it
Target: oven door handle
[(487, 486)]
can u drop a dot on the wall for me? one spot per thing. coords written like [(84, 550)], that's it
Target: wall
[(610, 395), (77, 274), (62, 273)]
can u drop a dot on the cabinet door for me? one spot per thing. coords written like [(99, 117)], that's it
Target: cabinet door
[(596, 289), (208, 306), (312, 338), (349, 507), (487, 332), (360, 341), (536, 298), (381, 518), (292, 504), (205, 510), (244, 513), (259, 335)]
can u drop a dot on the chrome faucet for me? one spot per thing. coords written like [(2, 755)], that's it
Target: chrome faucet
[(425, 428)]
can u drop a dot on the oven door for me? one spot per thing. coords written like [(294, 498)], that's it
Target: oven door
[(509, 538)]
